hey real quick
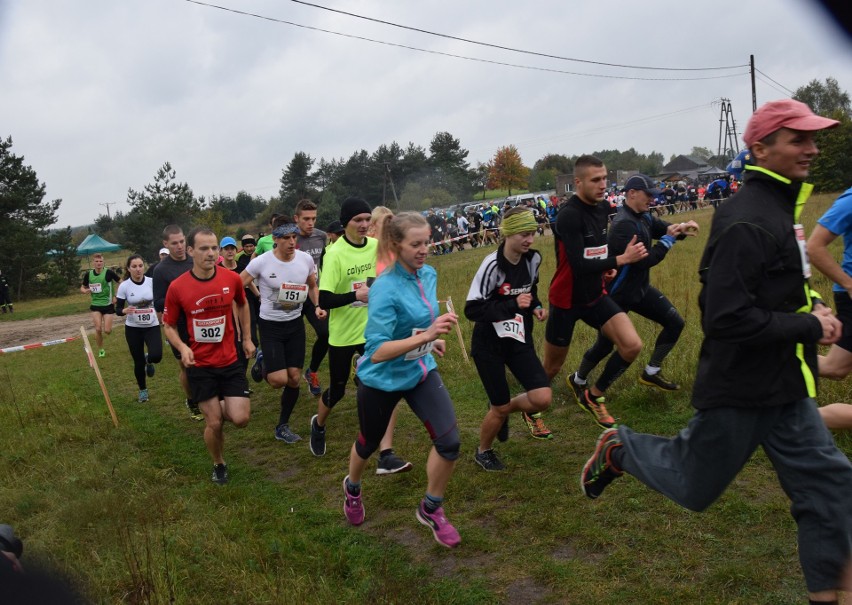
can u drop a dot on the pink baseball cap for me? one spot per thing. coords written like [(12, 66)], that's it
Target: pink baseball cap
[(785, 113)]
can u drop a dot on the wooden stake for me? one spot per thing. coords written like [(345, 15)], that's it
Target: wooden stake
[(451, 309), (92, 362)]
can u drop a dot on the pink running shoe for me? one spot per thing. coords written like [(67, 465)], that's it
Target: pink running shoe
[(445, 534), (352, 507)]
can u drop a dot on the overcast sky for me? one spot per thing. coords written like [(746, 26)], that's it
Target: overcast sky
[(98, 94)]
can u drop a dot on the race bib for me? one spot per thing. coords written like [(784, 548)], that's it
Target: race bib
[(422, 349), (293, 293), (95, 287), (209, 330), (803, 250), (144, 317), (511, 328), (596, 252), (355, 286)]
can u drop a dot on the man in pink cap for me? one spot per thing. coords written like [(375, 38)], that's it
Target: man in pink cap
[(757, 369)]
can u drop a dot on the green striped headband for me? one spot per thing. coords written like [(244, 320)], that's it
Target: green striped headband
[(518, 223)]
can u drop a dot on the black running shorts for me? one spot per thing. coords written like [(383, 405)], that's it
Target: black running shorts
[(561, 322), (205, 383), (522, 361), (282, 343)]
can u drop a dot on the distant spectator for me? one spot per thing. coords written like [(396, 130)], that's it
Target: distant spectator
[(334, 231), (5, 297), (164, 252)]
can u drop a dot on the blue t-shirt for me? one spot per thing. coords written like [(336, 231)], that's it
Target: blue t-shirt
[(838, 220)]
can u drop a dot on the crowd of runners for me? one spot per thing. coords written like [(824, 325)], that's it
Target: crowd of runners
[(364, 287)]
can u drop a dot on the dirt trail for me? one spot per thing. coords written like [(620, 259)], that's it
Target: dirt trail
[(30, 331)]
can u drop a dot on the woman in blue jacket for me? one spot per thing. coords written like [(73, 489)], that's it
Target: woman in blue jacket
[(403, 329)]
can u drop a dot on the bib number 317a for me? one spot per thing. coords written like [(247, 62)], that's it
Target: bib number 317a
[(511, 328), (209, 330)]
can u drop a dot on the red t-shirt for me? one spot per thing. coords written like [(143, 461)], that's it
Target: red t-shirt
[(206, 305)]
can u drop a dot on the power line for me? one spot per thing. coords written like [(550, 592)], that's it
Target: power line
[(790, 92), (770, 85), (516, 50), (466, 58)]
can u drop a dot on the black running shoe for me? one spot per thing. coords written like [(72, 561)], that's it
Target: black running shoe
[(576, 389), (257, 367), (220, 474), (283, 433), (488, 460), (390, 464), (317, 443), (658, 380)]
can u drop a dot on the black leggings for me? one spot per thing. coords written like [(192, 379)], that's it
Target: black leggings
[(654, 306), (339, 368), (137, 340), (320, 327), (254, 313), (429, 401)]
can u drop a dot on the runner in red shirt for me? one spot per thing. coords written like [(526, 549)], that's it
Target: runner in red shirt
[(204, 296)]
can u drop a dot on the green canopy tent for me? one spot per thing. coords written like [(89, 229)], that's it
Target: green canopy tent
[(95, 243)]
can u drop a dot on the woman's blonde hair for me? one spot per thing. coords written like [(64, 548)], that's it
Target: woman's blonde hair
[(378, 218), (396, 227)]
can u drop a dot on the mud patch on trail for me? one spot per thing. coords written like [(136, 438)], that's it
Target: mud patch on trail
[(527, 590), (32, 331), (568, 552)]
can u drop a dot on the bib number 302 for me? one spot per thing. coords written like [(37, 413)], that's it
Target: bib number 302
[(209, 330)]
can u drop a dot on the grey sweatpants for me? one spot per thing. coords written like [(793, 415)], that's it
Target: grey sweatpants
[(695, 467)]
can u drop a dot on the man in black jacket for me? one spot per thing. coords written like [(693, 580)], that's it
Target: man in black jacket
[(757, 370), (631, 288)]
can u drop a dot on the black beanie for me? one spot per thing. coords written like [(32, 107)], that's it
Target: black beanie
[(351, 207)]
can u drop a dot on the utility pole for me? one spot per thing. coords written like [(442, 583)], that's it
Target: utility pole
[(753, 89), (385, 181), (108, 204)]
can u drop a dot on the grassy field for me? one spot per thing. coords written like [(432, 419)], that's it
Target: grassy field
[(131, 513), (493, 194)]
